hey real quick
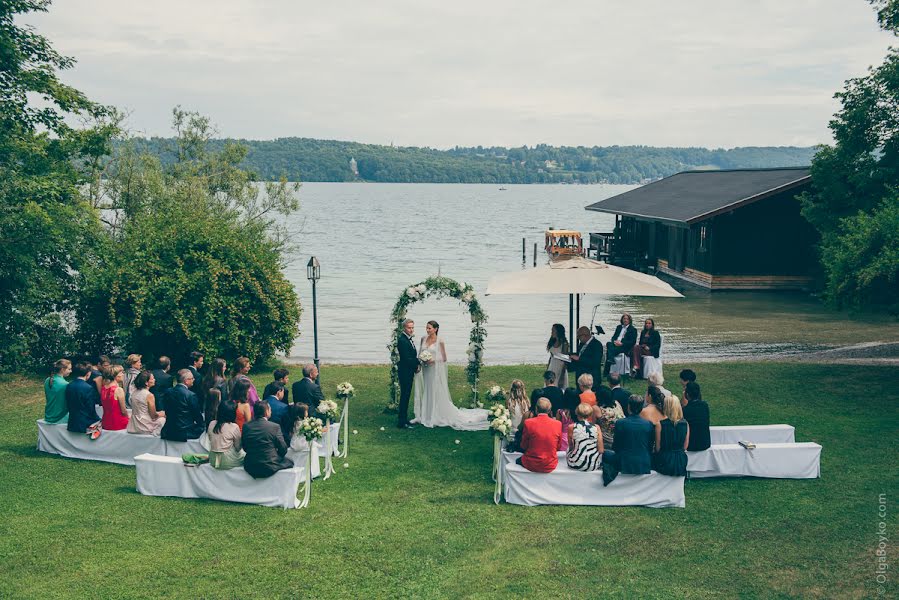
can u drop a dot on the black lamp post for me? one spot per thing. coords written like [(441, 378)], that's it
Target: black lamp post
[(313, 274)]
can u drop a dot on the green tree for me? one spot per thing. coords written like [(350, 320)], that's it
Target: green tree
[(856, 179), (48, 230)]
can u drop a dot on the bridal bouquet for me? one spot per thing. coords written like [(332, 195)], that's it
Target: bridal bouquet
[(500, 421), (329, 409), (311, 428), (345, 390), (496, 394), (426, 357)]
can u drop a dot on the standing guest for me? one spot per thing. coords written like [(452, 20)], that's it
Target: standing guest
[(406, 368), (275, 397), (225, 451), (144, 416), (649, 345), (183, 416), (82, 399), (517, 403), (215, 378), (112, 397), (696, 413), (657, 380), (585, 385), (671, 441), (162, 377), (96, 377), (619, 394), (296, 412), (549, 391), (240, 395), (282, 376), (541, 440), (194, 364), (307, 392), (211, 406), (622, 341), (565, 415), (630, 451), (264, 444), (55, 409), (686, 376), (589, 357), (240, 372), (585, 446), (558, 345), (133, 368), (654, 407), (605, 414)]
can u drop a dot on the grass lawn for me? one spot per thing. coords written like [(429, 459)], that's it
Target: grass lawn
[(413, 515)]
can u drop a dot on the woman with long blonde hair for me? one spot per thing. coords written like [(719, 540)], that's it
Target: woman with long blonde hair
[(517, 403)]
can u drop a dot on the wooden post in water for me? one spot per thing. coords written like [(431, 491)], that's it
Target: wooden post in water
[(524, 256), (535, 254)]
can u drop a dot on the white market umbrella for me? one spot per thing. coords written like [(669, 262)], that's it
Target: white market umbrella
[(579, 275)]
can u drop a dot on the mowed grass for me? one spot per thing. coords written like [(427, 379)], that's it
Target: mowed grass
[(413, 516)]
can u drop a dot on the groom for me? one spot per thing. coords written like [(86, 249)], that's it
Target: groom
[(407, 367)]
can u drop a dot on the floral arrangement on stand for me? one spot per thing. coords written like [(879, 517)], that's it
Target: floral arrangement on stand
[(345, 391), (329, 409), (440, 287), (501, 427), (496, 394), (312, 429)]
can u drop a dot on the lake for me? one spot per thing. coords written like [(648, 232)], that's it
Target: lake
[(373, 240)]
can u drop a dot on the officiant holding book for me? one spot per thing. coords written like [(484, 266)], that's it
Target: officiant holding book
[(589, 357)]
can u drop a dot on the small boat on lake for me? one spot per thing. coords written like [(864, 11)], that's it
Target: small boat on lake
[(563, 243)]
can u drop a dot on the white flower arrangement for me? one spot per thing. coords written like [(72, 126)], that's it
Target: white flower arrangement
[(413, 293), (426, 357), (345, 390), (500, 420), (311, 428), (422, 289), (329, 409), (496, 394), (468, 296)]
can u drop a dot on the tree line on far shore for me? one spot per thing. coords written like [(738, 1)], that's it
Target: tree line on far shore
[(305, 159)]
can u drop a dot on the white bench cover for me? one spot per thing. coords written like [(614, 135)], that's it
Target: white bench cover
[(757, 434), (168, 476), (567, 486), (780, 461)]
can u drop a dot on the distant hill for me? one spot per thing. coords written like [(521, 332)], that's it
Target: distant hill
[(304, 159)]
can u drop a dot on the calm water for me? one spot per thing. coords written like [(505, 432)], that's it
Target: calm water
[(373, 240)]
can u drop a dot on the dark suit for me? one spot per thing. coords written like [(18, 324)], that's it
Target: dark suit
[(552, 393), (309, 393), (627, 343), (697, 415), (406, 368), (183, 415), (279, 409), (164, 382), (82, 399), (264, 444), (631, 445), (197, 377), (589, 361)]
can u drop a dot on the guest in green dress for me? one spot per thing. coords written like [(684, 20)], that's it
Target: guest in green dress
[(56, 410)]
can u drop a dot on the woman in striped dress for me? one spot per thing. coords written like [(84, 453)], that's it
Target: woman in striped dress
[(585, 445)]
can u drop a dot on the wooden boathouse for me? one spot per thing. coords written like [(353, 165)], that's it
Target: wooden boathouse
[(735, 229)]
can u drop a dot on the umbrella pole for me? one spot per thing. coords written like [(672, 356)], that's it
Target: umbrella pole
[(571, 331), (577, 319)]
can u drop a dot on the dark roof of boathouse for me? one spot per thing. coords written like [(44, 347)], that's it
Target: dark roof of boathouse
[(693, 196)]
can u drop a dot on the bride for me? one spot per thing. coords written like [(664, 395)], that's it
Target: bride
[(433, 405)]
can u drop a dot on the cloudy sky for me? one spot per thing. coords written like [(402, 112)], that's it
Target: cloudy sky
[(718, 73)]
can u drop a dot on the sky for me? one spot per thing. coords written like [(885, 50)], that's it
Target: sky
[(719, 73)]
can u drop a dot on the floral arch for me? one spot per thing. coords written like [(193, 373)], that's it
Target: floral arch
[(440, 287)]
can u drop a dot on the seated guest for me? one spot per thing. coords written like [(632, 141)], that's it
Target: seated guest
[(282, 376), (622, 342), (696, 413), (672, 436), (306, 390), (82, 399), (657, 380), (214, 380), (686, 376), (550, 391), (211, 407), (240, 372), (183, 416), (194, 364), (96, 377), (565, 415), (162, 377), (619, 394), (650, 344), (133, 367), (55, 409), (585, 445), (296, 412), (654, 407), (605, 414), (541, 440), (224, 439), (517, 403), (144, 416), (630, 451), (240, 395), (264, 444), (274, 395), (112, 397), (585, 385)]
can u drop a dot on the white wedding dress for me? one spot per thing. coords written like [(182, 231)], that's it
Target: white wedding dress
[(433, 406)]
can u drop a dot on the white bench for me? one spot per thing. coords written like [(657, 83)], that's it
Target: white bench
[(779, 461), (169, 476), (758, 434)]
